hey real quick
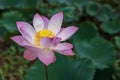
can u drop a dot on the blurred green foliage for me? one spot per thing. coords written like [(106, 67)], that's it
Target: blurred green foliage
[(96, 44), (70, 69)]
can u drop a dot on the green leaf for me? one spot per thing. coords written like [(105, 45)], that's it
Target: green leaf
[(63, 69), (117, 41), (106, 13), (93, 8), (3, 32), (87, 31), (80, 3), (10, 3), (69, 2), (69, 13), (101, 52), (36, 72), (111, 27), (53, 2), (65, 1), (30, 4), (9, 20), (88, 44), (85, 70), (18, 4)]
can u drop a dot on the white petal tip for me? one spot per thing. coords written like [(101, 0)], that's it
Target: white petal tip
[(60, 13), (75, 27), (18, 23), (36, 15)]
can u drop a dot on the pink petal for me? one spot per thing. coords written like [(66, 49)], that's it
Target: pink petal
[(45, 42), (20, 40), (54, 59), (46, 21), (67, 32), (56, 41), (26, 35), (55, 23), (63, 46), (26, 30), (60, 30), (32, 48), (26, 27), (66, 52), (46, 56), (29, 54), (38, 22)]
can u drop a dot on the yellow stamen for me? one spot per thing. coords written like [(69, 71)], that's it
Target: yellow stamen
[(41, 34)]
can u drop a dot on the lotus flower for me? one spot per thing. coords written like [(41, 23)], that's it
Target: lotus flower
[(44, 38)]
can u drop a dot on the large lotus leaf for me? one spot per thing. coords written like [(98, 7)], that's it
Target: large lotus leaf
[(88, 44), (9, 20), (86, 32), (98, 50), (63, 69), (111, 27), (36, 72)]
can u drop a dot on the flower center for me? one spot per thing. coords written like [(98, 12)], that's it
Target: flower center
[(41, 34)]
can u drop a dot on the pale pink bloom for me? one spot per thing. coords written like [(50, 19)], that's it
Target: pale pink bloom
[(44, 38)]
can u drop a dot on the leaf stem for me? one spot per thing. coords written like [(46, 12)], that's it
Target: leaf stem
[(46, 72)]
